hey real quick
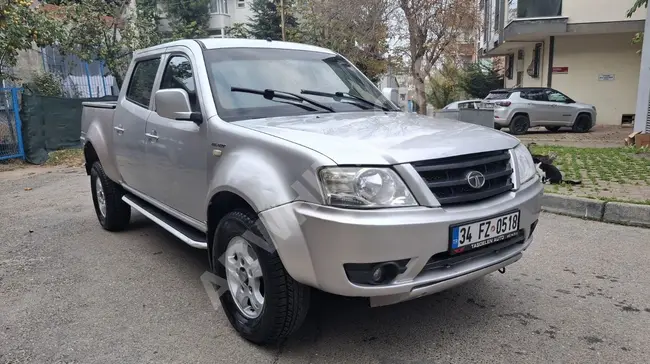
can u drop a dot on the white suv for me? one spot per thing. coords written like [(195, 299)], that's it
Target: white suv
[(520, 108)]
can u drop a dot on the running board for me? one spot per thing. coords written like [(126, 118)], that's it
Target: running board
[(187, 234)]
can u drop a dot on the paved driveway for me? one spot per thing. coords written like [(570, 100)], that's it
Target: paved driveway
[(73, 293)]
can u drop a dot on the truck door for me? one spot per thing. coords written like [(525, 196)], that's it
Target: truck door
[(129, 123), (176, 160)]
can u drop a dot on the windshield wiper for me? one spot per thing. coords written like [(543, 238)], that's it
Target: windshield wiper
[(276, 94), (337, 96)]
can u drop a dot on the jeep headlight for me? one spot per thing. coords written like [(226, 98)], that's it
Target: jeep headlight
[(358, 187), (525, 165)]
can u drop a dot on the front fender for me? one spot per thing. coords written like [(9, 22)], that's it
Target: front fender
[(102, 143), (263, 180)]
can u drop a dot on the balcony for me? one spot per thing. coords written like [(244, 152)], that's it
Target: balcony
[(219, 16)]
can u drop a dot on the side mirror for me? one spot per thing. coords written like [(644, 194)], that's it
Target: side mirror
[(174, 103)]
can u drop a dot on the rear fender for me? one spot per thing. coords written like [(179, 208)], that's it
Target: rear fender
[(102, 143)]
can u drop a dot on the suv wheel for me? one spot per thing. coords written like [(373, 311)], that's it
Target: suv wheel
[(519, 125), (263, 303), (582, 123), (553, 129), (113, 213)]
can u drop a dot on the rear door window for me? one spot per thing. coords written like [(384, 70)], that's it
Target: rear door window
[(141, 83), (498, 95), (535, 95)]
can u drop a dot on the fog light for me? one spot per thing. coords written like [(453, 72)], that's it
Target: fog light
[(378, 274)]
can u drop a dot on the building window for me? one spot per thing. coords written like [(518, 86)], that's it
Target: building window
[(510, 66), (533, 69), (219, 6), (536, 8), (241, 4), (520, 78)]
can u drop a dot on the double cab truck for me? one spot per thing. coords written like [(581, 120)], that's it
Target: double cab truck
[(294, 172)]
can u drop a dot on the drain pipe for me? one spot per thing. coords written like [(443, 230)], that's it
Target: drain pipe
[(551, 54)]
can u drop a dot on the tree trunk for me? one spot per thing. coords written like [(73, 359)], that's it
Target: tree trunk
[(418, 82)]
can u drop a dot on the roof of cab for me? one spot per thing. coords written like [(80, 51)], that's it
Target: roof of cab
[(214, 43)]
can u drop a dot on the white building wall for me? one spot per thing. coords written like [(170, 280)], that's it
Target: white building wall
[(643, 91), (591, 11), (591, 56), (240, 15)]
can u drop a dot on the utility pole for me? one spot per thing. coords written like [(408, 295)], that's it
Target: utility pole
[(282, 19)]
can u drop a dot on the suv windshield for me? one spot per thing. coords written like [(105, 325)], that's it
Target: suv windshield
[(285, 70), (498, 95)]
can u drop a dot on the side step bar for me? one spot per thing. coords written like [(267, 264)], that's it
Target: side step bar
[(187, 234)]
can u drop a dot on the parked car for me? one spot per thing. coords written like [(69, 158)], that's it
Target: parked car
[(294, 172), (465, 104), (518, 109)]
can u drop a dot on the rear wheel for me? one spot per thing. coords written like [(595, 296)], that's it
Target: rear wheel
[(582, 124), (263, 303), (113, 213), (519, 125), (553, 129)]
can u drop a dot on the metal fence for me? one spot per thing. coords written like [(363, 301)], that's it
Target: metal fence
[(80, 79), (11, 139)]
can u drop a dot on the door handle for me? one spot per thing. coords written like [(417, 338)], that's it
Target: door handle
[(152, 135), (119, 129)]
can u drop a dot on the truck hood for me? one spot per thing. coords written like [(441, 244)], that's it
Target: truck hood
[(382, 138)]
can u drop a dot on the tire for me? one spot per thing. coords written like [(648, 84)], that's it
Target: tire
[(116, 214), (553, 129), (285, 301), (582, 124), (519, 125)]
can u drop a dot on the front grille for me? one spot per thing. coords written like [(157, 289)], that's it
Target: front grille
[(447, 177)]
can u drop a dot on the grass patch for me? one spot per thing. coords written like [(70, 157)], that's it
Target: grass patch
[(608, 174), (66, 157)]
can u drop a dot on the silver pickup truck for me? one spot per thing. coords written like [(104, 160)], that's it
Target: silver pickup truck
[(295, 172)]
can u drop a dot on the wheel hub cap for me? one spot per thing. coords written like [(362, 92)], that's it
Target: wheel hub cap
[(244, 277), (101, 198)]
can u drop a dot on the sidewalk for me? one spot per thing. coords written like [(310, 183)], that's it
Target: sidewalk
[(601, 136)]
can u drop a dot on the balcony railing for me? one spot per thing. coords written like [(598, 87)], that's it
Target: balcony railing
[(522, 9), (219, 6)]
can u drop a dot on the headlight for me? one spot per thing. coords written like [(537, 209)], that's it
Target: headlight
[(356, 187), (525, 165)]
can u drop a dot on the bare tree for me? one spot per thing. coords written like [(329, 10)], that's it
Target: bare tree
[(355, 28), (431, 28)]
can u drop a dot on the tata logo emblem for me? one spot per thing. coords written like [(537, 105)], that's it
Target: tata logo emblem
[(475, 179)]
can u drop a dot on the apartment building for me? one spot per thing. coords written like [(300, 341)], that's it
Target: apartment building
[(582, 48), (223, 14)]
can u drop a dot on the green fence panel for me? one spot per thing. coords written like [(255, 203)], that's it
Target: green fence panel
[(51, 123)]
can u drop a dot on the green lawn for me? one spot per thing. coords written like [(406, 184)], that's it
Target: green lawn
[(621, 174)]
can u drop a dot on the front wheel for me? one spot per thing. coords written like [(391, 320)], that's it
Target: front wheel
[(113, 213), (263, 303)]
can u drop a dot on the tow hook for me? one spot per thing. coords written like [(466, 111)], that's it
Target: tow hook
[(502, 270)]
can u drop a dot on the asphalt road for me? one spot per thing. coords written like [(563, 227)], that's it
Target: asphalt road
[(71, 292)]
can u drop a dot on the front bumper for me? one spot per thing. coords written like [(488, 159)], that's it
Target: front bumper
[(314, 242)]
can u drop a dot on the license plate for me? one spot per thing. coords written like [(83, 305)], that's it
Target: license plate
[(477, 234)]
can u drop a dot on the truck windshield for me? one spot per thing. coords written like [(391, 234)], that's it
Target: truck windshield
[(286, 70)]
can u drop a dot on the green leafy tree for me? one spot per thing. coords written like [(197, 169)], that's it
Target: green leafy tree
[(237, 30), (478, 80), (638, 37), (47, 84), (188, 18), (266, 21), (443, 87), (21, 27), (109, 31)]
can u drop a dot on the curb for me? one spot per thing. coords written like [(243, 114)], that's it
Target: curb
[(611, 212)]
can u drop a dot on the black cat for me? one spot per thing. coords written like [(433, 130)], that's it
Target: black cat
[(547, 171)]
